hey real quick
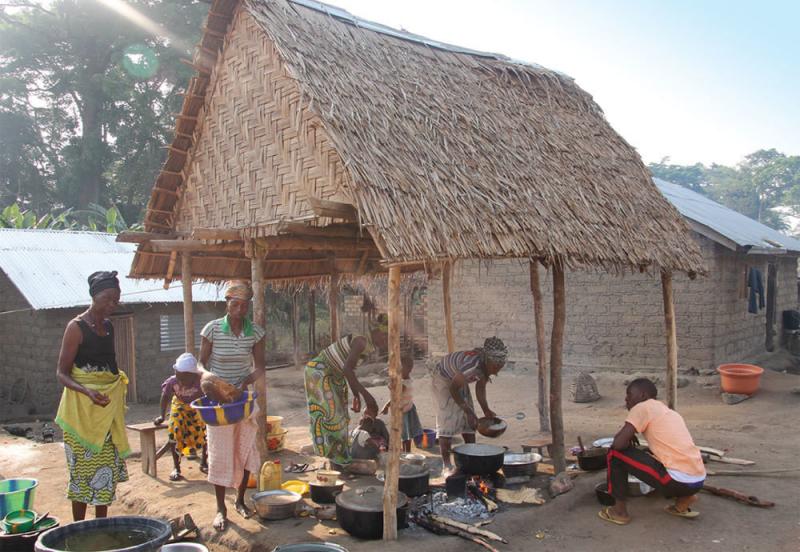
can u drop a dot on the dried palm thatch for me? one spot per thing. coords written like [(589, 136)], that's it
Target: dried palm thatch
[(445, 153)]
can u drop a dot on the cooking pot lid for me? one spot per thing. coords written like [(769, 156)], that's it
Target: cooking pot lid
[(367, 499), (477, 449)]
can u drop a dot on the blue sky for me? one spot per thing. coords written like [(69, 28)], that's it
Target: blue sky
[(706, 81)]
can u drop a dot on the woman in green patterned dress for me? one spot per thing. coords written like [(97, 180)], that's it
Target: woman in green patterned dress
[(92, 408), (327, 379)]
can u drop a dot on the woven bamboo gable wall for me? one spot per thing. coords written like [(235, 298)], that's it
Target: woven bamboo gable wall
[(261, 151)]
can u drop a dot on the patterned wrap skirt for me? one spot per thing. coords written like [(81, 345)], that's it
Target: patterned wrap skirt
[(412, 427), (93, 477), (327, 396), (186, 428)]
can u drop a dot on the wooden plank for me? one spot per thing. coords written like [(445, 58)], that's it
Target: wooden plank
[(396, 416), (556, 362), (672, 340), (260, 318), (188, 313), (330, 231), (333, 305), (333, 209), (142, 237), (541, 352), (229, 234), (447, 270), (286, 243), (772, 290), (729, 460), (193, 246)]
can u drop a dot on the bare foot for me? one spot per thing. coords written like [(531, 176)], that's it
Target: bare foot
[(243, 510), (220, 522)]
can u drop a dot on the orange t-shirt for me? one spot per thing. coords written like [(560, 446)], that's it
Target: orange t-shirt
[(667, 436)]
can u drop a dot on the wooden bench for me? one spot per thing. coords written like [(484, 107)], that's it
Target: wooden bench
[(147, 443), (539, 442)]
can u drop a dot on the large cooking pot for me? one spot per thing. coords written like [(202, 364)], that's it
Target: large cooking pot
[(478, 459), (128, 533), (414, 480), (592, 459), (360, 512), (519, 464)]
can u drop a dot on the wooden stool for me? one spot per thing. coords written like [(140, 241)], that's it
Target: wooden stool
[(147, 443), (538, 442)]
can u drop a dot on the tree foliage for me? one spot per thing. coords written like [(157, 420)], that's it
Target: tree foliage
[(86, 99), (94, 218), (763, 181)]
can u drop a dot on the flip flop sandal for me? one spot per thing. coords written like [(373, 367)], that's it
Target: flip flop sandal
[(689, 513), (204, 468), (175, 475), (605, 514)]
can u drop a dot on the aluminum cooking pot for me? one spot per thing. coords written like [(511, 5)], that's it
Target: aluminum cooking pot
[(479, 459), (517, 464)]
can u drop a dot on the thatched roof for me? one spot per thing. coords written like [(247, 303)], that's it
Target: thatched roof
[(445, 153)]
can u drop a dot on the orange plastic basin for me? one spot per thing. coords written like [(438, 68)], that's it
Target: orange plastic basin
[(740, 378)]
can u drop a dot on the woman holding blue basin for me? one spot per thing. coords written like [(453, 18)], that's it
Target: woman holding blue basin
[(92, 408), (232, 349)]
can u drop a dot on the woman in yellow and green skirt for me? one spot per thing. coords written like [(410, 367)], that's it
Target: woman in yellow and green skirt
[(92, 408)]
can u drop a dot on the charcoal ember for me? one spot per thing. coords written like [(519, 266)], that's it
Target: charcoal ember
[(466, 510)]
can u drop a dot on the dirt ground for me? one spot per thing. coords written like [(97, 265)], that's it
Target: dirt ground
[(763, 429)]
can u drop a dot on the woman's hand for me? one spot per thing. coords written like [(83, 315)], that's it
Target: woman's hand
[(372, 407), (158, 420), (97, 397), (489, 413), (356, 407)]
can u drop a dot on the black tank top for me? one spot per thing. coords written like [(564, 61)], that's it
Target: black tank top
[(96, 353)]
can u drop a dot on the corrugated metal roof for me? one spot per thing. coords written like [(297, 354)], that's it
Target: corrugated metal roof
[(50, 269), (741, 230)]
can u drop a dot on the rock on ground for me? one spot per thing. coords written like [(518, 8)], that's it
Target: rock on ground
[(734, 398)]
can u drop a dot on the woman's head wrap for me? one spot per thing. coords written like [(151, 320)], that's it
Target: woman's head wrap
[(186, 363), (238, 289), (495, 350), (102, 280)]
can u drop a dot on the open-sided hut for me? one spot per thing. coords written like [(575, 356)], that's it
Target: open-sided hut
[(312, 143)]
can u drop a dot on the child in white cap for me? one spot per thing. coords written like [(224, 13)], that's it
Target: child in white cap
[(187, 431)]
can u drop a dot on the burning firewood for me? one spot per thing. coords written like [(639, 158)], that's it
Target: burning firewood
[(468, 528)]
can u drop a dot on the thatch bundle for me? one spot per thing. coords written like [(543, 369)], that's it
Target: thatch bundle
[(445, 153)]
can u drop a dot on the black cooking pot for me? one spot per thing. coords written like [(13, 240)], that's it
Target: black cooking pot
[(478, 459), (360, 512), (416, 484), (325, 494), (593, 459)]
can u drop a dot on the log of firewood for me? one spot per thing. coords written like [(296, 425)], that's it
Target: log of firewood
[(468, 528), (740, 497), (439, 529)]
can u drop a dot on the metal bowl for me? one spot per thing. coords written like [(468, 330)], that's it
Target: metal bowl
[(276, 504), (517, 464)]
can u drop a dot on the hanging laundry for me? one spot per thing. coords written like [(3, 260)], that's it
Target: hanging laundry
[(755, 281)]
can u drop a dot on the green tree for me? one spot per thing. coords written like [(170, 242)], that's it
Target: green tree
[(94, 93)]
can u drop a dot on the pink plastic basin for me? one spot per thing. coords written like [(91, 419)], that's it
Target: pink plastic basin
[(742, 379)]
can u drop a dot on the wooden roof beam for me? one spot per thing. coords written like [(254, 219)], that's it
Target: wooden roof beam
[(141, 237), (283, 243), (332, 231), (193, 246), (333, 209), (227, 234)]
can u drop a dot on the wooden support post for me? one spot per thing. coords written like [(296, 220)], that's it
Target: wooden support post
[(772, 290), (296, 327), (396, 416), (541, 351), (312, 321), (672, 340), (188, 314), (447, 271), (556, 361), (260, 318), (333, 305), (173, 258)]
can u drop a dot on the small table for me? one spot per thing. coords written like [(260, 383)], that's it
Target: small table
[(147, 443), (538, 442)]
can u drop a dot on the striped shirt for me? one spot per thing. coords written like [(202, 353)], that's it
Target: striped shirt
[(468, 363), (231, 356), (335, 354)]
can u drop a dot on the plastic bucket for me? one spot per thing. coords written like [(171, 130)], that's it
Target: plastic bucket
[(426, 440), (17, 494), (274, 424), (742, 379)]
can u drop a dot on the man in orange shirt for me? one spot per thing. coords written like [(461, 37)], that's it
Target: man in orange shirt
[(674, 466)]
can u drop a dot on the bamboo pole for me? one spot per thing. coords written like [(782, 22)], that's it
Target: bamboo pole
[(541, 351), (556, 361), (260, 318), (333, 305), (395, 384), (312, 321), (296, 327), (672, 340), (772, 283), (447, 271), (188, 313)]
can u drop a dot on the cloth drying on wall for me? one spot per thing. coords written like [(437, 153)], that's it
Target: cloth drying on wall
[(755, 281)]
